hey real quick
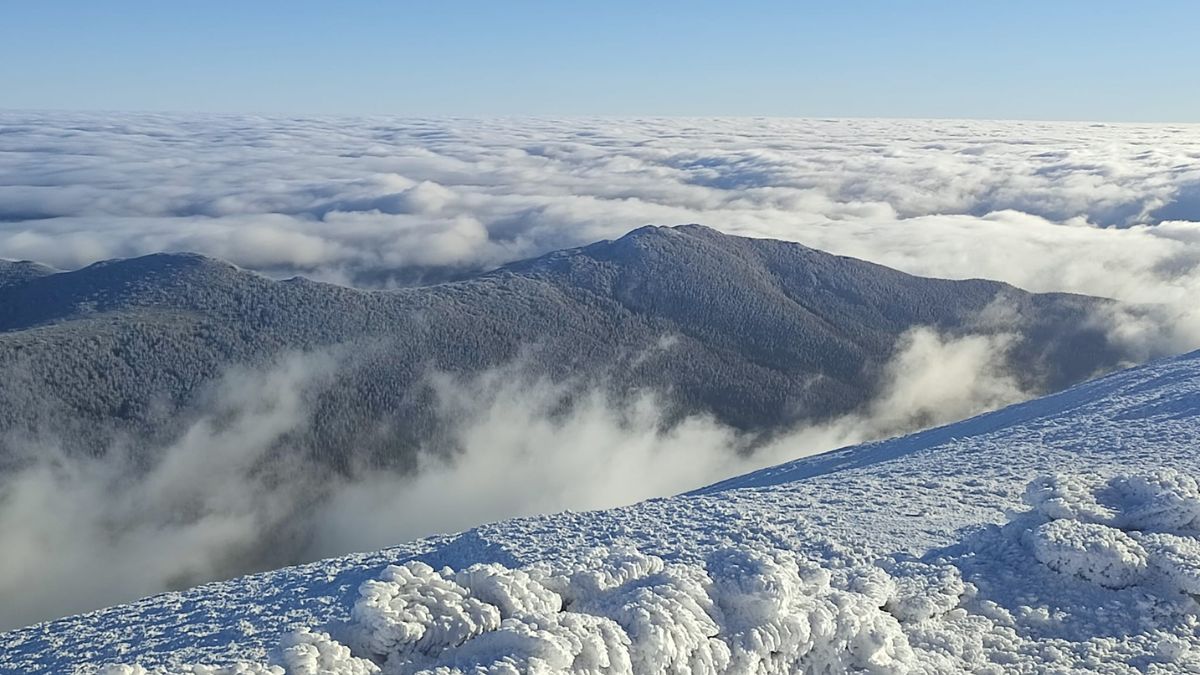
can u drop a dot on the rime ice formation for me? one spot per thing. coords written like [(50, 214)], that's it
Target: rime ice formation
[(762, 610)]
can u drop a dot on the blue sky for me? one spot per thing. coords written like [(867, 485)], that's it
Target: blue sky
[(1097, 60)]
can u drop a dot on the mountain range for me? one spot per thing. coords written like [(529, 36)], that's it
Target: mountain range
[(759, 334)]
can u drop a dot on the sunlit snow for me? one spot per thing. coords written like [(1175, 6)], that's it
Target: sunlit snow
[(1064, 532)]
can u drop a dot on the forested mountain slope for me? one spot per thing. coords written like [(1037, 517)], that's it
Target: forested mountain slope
[(761, 334)]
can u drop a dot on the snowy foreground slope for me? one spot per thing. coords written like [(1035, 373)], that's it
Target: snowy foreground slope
[(1058, 535)]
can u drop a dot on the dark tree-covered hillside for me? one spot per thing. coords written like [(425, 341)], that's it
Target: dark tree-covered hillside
[(761, 334)]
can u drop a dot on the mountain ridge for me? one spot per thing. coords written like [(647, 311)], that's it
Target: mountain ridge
[(753, 324)]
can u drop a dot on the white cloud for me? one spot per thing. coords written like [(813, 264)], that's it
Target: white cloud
[(220, 500), (83, 532), (1056, 206)]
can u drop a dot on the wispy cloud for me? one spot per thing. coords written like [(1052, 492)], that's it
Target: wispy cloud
[(226, 496)]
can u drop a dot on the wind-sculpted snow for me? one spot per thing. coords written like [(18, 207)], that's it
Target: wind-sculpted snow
[(301, 653), (617, 611), (1120, 532), (1058, 535), (754, 610)]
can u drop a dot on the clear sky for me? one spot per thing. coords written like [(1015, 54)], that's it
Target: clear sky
[(1052, 59)]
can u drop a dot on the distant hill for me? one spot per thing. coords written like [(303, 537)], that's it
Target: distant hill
[(759, 333)]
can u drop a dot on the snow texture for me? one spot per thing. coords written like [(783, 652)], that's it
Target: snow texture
[(1061, 535), (745, 610)]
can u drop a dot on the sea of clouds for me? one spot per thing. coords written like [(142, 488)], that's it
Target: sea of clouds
[(1100, 209), (1110, 210), (1104, 209)]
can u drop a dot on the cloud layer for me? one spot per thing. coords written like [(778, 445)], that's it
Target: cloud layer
[(1111, 210)]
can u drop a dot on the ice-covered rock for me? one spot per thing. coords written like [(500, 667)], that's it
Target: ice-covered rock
[(1101, 554), (413, 609), (305, 652), (1175, 560), (1159, 501), (923, 591)]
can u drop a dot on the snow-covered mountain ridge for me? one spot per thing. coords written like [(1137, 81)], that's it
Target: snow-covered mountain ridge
[(1058, 535)]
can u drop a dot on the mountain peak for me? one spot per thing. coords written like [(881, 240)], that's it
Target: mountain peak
[(163, 261), (669, 230), (18, 271)]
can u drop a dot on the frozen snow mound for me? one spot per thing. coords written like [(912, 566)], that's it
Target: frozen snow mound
[(1126, 530), (1098, 553), (1160, 501), (621, 611)]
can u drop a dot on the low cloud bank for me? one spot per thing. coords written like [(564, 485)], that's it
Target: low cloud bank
[(85, 532), (520, 456), (1108, 210), (224, 498)]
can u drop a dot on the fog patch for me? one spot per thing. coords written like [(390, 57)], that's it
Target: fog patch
[(225, 497), (83, 532), (935, 379)]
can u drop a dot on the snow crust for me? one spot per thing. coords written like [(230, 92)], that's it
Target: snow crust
[(618, 610)]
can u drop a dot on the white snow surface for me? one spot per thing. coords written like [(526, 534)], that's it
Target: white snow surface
[(1059, 535)]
